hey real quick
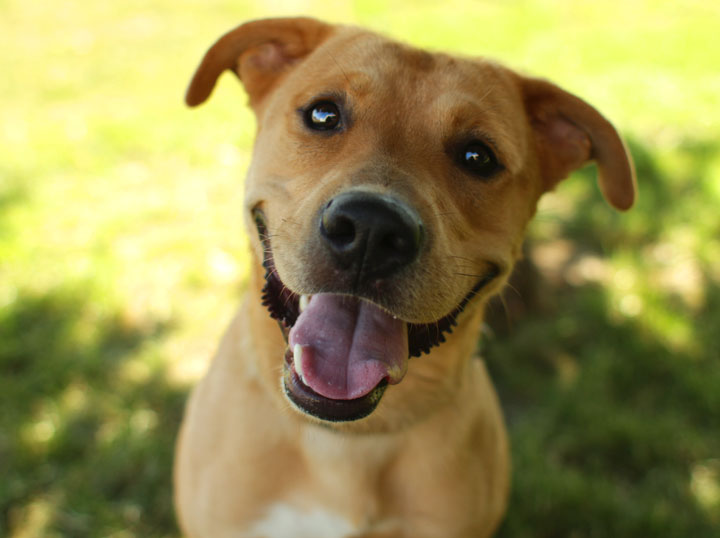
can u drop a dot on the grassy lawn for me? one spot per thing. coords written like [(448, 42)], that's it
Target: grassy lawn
[(122, 257)]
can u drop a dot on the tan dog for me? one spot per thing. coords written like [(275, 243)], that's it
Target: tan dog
[(390, 189)]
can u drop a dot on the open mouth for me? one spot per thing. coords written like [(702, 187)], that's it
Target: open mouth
[(343, 351)]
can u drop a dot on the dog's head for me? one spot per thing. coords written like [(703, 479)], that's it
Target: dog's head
[(391, 188)]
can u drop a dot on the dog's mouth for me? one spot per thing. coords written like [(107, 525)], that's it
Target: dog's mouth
[(343, 350)]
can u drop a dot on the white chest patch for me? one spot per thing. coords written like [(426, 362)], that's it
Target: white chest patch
[(286, 521)]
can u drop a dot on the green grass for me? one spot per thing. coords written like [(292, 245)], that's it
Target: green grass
[(122, 257)]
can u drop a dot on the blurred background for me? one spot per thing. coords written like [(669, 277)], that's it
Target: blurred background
[(123, 256)]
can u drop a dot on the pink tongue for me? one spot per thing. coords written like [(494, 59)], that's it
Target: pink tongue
[(348, 346)]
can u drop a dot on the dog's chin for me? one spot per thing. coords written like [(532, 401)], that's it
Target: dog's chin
[(344, 350), (316, 405)]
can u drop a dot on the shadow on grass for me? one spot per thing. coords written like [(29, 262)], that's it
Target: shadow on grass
[(85, 440), (615, 424), (13, 192), (615, 427)]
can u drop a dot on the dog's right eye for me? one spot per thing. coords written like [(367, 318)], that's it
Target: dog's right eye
[(323, 116), (478, 159)]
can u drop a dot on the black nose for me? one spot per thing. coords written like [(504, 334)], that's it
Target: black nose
[(371, 234)]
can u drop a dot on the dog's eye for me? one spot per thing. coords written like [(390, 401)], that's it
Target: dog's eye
[(477, 158), (323, 116)]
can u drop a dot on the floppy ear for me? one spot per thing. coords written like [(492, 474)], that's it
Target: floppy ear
[(259, 53), (569, 133)]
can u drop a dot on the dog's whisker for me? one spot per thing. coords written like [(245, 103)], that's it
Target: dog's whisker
[(461, 258), (506, 310), (288, 296), (510, 287), (490, 88), (466, 266), (332, 57), (446, 214), (289, 220)]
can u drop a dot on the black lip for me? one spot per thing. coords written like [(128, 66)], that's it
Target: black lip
[(283, 306), (324, 408)]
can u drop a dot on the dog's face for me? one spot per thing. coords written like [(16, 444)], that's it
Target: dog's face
[(391, 188)]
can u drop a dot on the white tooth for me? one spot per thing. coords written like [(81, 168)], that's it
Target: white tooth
[(297, 359), (304, 301)]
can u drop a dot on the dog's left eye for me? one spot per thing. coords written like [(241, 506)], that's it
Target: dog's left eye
[(323, 116), (477, 158)]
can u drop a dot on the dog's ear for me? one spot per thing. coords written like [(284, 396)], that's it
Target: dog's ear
[(259, 53), (569, 133)]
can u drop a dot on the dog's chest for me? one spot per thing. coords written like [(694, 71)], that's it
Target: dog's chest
[(336, 498), (283, 520)]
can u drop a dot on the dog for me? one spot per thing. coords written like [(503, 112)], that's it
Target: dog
[(388, 195)]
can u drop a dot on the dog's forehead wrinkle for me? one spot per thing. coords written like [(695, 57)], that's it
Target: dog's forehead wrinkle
[(367, 59), (420, 60), (334, 60)]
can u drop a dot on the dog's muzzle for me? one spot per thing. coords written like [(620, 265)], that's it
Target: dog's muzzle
[(344, 348)]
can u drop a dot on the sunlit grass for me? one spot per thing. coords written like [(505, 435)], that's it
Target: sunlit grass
[(123, 255)]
